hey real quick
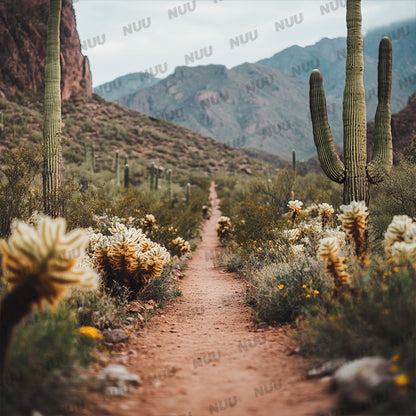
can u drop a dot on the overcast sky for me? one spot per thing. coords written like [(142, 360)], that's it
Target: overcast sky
[(124, 36)]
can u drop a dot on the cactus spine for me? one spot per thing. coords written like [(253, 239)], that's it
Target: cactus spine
[(355, 173), (52, 151)]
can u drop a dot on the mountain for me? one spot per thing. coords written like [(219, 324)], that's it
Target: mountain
[(248, 106), (265, 106), (328, 55), (23, 29), (87, 119), (125, 85)]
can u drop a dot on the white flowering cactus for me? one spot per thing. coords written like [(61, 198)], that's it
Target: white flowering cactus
[(127, 258), (354, 221), (400, 240), (40, 263)]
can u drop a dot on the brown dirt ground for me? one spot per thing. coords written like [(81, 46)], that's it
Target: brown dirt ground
[(202, 354)]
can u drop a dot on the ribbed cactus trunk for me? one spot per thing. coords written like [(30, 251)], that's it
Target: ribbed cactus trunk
[(294, 160), (355, 173), (354, 111), (52, 152)]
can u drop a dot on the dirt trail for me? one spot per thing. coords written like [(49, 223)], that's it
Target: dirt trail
[(203, 356)]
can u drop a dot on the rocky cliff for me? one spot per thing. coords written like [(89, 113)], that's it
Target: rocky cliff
[(23, 32)]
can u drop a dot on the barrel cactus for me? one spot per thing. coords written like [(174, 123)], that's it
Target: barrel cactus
[(355, 173)]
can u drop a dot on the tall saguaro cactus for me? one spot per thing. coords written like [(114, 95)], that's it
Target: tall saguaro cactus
[(355, 173), (52, 151)]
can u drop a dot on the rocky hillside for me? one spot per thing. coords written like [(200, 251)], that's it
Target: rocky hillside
[(125, 85), (23, 30), (248, 106), (88, 121)]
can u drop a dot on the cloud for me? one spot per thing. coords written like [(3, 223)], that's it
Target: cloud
[(141, 34)]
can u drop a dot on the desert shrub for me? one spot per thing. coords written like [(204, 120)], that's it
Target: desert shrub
[(279, 293), (41, 369), (394, 196), (20, 185)]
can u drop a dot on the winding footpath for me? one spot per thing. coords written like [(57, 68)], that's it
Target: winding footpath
[(203, 356)]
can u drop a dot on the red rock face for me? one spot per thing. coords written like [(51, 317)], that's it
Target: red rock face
[(23, 32)]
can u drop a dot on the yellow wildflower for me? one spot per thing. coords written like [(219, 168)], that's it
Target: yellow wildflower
[(395, 358), (395, 269), (316, 292), (401, 380), (304, 286), (280, 287), (308, 295), (90, 332)]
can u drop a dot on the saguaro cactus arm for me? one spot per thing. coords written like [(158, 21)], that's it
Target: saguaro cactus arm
[(382, 160), (324, 142)]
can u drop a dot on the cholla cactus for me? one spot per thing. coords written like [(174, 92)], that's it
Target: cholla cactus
[(397, 230), (179, 246), (354, 221), (325, 212), (127, 258), (328, 249), (400, 240), (149, 222), (40, 263), (223, 227), (295, 208)]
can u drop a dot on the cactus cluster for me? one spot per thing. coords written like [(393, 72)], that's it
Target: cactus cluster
[(295, 208), (355, 173), (127, 258), (325, 211), (400, 240), (178, 246), (354, 221), (223, 227)]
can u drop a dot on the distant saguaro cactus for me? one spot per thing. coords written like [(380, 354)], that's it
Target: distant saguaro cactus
[(92, 158), (169, 184), (1, 124), (126, 173), (52, 151), (152, 175), (294, 160), (355, 173), (188, 194), (117, 169)]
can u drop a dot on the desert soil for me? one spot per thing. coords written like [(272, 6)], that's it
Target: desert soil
[(202, 354)]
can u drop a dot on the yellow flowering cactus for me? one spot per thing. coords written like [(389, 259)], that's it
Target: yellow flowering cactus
[(40, 263)]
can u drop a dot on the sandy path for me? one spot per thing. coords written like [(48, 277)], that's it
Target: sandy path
[(203, 356)]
